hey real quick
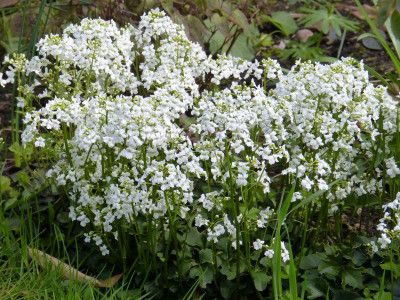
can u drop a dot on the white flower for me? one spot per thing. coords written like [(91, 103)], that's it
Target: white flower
[(2, 81), (258, 244), (200, 221), (322, 185), (296, 196), (269, 253), (284, 253), (374, 247), (104, 250), (40, 142), (307, 183), (392, 169), (212, 235), (384, 240)]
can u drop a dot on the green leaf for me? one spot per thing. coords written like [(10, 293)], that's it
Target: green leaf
[(313, 16), (344, 295), (221, 23), (227, 288), (393, 28), (353, 277), (328, 19), (316, 288), (260, 280), (366, 34), (242, 48), (287, 24), (195, 272), (206, 256), (239, 18), (383, 11), (224, 270), (329, 268), (18, 149), (358, 258), (196, 28), (331, 250), (265, 40), (265, 261), (325, 26), (219, 5), (5, 183), (383, 296), (160, 255), (11, 203), (310, 261), (231, 275), (194, 238), (253, 214), (391, 266), (207, 277), (23, 177)]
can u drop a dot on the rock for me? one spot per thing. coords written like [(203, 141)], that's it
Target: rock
[(373, 43), (332, 37), (280, 46), (304, 35)]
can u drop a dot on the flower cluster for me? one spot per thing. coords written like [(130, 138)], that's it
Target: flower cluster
[(114, 101), (389, 225)]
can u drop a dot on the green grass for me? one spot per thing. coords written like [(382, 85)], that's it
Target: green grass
[(23, 277)]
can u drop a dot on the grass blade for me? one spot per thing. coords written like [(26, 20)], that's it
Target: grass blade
[(32, 42), (312, 197), (292, 271), (276, 262)]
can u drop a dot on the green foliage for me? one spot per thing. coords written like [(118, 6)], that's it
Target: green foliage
[(349, 270), (222, 26), (391, 18), (307, 51), (284, 21), (329, 19)]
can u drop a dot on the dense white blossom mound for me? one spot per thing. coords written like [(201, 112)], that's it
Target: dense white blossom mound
[(114, 98)]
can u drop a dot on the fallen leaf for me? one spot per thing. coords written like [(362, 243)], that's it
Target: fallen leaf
[(68, 272), (7, 3), (354, 10)]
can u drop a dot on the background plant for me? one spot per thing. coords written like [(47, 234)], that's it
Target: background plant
[(391, 17)]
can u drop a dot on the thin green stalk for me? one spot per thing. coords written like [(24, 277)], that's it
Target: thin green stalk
[(341, 44), (172, 237), (14, 91), (236, 214)]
